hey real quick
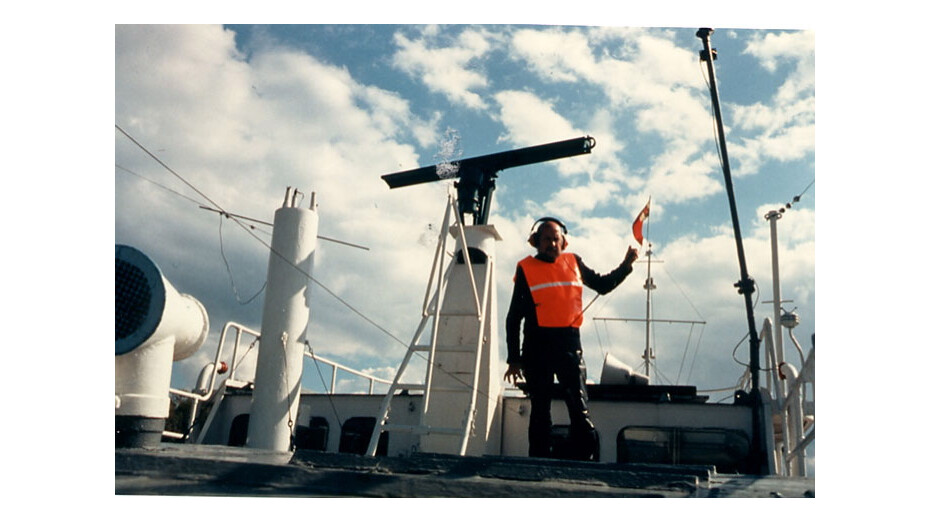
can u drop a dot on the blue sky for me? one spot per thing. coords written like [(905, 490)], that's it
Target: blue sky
[(242, 112)]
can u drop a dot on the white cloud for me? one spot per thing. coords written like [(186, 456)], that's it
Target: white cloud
[(555, 56), (683, 173), (646, 79), (576, 202), (782, 130), (782, 133), (243, 131), (530, 120), (652, 73), (772, 49), (445, 70)]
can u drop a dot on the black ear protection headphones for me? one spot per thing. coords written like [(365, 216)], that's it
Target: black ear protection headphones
[(534, 231)]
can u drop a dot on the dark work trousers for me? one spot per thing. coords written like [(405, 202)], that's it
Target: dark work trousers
[(568, 366)]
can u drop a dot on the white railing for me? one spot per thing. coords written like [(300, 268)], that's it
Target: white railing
[(206, 387), (204, 391), (209, 384), (337, 367), (792, 403)]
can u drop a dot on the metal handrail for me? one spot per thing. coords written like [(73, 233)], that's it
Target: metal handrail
[(337, 367), (789, 403), (210, 390), (240, 329), (805, 376)]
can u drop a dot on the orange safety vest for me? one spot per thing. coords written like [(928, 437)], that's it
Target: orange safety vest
[(556, 289)]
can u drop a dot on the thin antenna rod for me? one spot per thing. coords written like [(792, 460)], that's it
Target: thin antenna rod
[(745, 285), (272, 225)]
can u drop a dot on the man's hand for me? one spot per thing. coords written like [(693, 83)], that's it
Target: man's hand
[(631, 255), (514, 371)]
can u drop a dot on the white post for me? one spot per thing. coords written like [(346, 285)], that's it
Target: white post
[(773, 218), (285, 318), (794, 422)]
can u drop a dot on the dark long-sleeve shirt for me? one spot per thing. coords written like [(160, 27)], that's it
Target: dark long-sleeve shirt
[(523, 309)]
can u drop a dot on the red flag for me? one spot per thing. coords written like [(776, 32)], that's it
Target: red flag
[(638, 224)]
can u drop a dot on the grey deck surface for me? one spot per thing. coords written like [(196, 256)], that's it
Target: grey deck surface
[(204, 470)]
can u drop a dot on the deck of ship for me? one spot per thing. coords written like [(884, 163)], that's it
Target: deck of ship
[(205, 470)]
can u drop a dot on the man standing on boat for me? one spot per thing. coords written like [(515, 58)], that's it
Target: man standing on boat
[(547, 299)]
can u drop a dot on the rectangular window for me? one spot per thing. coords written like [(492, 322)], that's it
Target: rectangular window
[(356, 433), (726, 449)]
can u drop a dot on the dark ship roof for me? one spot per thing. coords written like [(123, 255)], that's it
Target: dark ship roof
[(204, 470)]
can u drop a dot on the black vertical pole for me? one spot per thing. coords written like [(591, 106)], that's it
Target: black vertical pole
[(745, 285)]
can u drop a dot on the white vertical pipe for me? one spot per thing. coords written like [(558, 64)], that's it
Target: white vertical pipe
[(285, 319), (793, 423), (143, 378), (773, 218)]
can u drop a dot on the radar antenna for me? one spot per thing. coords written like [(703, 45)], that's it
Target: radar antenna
[(476, 175)]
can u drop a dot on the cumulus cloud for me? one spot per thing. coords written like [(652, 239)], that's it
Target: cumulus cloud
[(445, 70), (243, 131), (773, 49), (783, 129), (530, 120), (647, 80), (555, 56)]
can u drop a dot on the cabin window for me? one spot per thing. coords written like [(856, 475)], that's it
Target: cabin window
[(239, 431), (560, 444), (313, 436), (356, 434), (725, 449)]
